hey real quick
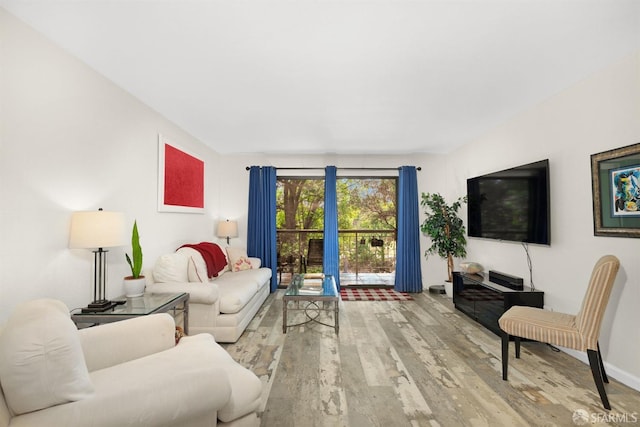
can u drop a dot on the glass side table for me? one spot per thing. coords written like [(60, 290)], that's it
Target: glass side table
[(138, 306)]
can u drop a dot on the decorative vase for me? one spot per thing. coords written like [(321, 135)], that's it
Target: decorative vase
[(134, 287), (448, 289)]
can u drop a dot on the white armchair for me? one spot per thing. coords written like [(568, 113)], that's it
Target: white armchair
[(127, 373)]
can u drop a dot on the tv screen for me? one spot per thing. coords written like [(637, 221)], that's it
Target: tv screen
[(511, 205)]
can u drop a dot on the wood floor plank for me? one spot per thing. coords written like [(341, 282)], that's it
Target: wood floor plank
[(412, 363), (363, 408), (332, 393)]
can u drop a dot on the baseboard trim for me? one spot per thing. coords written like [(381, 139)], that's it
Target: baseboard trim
[(612, 371)]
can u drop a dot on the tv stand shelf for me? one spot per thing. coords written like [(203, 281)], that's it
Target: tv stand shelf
[(485, 301)]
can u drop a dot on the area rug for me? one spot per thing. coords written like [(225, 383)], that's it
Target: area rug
[(373, 294)]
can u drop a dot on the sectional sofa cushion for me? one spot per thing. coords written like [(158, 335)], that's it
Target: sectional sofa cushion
[(256, 277), (236, 289), (41, 358), (233, 298)]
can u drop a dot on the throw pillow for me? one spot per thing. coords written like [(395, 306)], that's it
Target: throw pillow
[(196, 266), (41, 359), (197, 271), (212, 255), (242, 264), (171, 268), (235, 253)]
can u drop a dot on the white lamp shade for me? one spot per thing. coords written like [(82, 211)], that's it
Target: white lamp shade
[(227, 229), (97, 229)]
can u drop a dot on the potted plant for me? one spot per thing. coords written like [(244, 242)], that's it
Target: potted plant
[(446, 230), (134, 285)]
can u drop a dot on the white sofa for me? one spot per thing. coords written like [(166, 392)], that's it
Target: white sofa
[(222, 306), (128, 373)]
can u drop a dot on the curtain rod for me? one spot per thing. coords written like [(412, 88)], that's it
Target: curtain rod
[(357, 169)]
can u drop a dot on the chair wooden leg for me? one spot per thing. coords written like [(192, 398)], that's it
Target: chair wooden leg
[(505, 355), (594, 362), (517, 341), (604, 373)]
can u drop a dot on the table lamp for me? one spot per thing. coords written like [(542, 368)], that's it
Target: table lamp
[(98, 230), (227, 229)]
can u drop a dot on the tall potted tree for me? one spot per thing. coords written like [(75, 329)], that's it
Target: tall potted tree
[(134, 285), (446, 230)]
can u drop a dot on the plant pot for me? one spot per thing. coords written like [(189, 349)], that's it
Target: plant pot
[(134, 287), (448, 289)]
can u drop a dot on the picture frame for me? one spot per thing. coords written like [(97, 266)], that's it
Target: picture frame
[(615, 179), (180, 179)]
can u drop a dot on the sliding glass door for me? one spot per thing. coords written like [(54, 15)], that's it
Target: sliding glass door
[(367, 225)]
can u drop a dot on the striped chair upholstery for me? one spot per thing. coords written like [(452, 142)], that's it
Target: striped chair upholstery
[(579, 332)]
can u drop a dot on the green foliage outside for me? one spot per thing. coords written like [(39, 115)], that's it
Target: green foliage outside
[(363, 204)]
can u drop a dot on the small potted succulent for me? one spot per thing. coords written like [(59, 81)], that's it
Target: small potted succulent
[(134, 285), (446, 230)]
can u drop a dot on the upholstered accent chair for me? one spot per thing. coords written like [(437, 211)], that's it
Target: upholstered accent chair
[(579, 332)]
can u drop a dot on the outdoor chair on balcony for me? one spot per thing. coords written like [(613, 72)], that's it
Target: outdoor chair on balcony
[(315, 254), (285, 264)]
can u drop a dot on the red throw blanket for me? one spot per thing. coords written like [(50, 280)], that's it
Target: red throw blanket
[(213, 257)]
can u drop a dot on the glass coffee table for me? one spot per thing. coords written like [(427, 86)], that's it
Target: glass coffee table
[(311, 294), (128, 308)]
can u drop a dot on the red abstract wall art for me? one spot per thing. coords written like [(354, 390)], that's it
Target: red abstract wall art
[(180, 179)]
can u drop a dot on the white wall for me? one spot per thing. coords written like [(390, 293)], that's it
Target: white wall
[(71, 140), (598, 114)]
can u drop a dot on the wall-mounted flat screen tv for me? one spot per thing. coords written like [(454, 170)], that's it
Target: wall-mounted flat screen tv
[(511, 205)]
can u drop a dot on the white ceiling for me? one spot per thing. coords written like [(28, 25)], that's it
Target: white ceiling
[(339, 76)]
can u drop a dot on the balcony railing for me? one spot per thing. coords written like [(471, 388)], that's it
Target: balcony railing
[(361, 251)]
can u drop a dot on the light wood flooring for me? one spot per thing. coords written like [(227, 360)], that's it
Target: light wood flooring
[(415, 363)]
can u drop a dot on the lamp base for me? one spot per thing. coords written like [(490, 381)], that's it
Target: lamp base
[(99, 306)]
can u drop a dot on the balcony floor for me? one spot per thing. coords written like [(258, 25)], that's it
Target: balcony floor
[(370, 280)]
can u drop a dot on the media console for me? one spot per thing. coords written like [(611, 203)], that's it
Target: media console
[(485, 301)]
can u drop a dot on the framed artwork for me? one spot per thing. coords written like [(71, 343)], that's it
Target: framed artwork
[(180, 179), (615, 178)]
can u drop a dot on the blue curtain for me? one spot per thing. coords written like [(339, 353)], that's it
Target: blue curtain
[(331, 260), (408, 271), (261, 222)]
